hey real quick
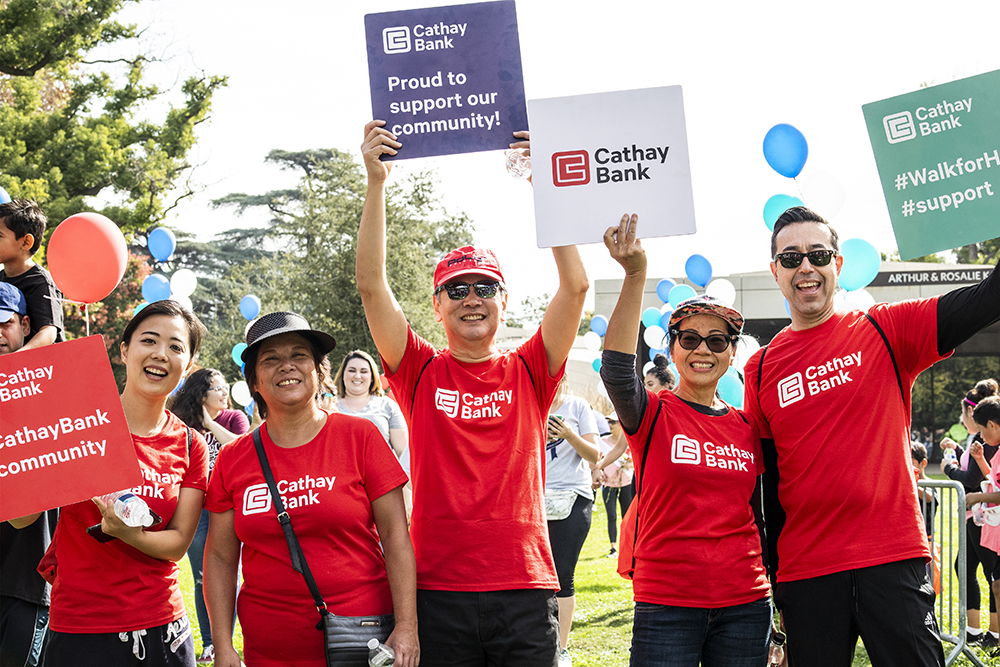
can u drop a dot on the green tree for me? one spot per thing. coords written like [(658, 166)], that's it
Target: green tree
[(70, 128), (985, 252)]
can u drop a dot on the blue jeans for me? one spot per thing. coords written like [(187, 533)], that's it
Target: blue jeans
[(666, 636), (196, 554)]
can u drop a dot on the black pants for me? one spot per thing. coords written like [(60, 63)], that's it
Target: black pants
[(624, 496), (22, 632), (567, 537), (169, 645), (890, 606), (976, 554)]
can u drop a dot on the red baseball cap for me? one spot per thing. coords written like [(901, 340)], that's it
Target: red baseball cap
[(466, 261)]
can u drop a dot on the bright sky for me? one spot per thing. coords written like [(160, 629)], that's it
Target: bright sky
[(298, 79)]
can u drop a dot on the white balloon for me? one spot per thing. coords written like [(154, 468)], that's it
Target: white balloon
[(666, 308), (241, 393), (602, 390), (246, 329), (823, 193), (746, 346), (859, 300), (648, 367), (592, 341), (723, 290), (183, 282), (654, 336), (183, 300)]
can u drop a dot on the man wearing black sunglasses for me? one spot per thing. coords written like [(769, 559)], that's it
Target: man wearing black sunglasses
[(485, 576), (852, 546)]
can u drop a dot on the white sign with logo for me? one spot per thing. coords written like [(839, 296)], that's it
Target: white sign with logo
[(595, 157)]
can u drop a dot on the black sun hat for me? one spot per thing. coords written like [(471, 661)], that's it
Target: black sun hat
[(274, 324)]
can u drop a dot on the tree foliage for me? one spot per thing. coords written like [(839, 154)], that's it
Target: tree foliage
[(70, 128)]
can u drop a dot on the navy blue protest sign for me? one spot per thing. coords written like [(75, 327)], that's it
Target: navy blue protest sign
[(447, 79)]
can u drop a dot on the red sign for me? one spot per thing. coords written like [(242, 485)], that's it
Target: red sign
[(63, 435)]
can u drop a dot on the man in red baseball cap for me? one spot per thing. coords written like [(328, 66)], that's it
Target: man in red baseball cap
[(485, 577)]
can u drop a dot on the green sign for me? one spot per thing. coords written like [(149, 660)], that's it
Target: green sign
[(938, 157)]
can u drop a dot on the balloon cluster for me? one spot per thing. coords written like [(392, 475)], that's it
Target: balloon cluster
[(161, 244), (786, 151)]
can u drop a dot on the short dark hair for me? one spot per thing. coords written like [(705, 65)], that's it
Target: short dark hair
[(661, 372), (189, 399), (23, 216), (196, 330), (800, 214), (250, 370), (987, 411), (918, 452)]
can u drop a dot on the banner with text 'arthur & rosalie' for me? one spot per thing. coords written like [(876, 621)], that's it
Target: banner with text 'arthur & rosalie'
[(938, 156), (447, 79), (595, 157), (63, 436)]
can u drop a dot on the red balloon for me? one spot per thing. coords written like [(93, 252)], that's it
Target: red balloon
[(86, 257)]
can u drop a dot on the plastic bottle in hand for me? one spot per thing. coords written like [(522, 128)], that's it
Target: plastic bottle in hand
[(949, 456), (380, 655), (518, 163), (130, 508)]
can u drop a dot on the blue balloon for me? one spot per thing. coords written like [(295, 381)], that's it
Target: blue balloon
[(249, 306), (680, 293), (777, 205), (599, 324), (663, 289), (596, 365), (861, 264), (4, 197), (155, 287), (178, 387), (653, 353), (665, 320), (786, 150), (161, 243), (237, 351), (248, 408), (243, 369), (651, 317), (698, 270), (788, 309), (730, 389)]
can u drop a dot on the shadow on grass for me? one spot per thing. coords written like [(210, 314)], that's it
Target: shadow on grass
[(596, 588)]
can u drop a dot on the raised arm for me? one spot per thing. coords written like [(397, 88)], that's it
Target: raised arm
[(386, 320), (961, 313), (562, 318)]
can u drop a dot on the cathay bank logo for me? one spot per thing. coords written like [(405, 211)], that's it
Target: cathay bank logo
[(899, 127), (396, 39), (446, 401), (256, 499), (791, 390), (685, 450)]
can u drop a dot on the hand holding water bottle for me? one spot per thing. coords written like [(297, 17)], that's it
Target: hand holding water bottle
[(122, 512), (519, 157)]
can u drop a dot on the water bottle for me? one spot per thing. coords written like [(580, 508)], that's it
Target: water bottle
[(130, 508), (949, 456), (380, 655), (776, 650), (518, 164)]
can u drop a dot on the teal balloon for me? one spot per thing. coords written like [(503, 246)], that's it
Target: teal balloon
[(698, 270), (786, 150), (136, 310), (237, 351), (777, 205), (651, 317), (861, 264), (596, 365), (680, 293), (663, 289), (730, 389), (599, 324), (4, 197)]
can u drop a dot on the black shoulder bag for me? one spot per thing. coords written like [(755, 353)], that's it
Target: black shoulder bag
[(346, 636)]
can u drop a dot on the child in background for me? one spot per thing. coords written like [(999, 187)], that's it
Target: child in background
[(22, 225)]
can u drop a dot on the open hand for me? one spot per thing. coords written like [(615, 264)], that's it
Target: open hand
[(623, 245)]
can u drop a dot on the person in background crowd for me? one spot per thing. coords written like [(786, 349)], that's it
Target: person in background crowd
[(976, 554), (202, 403), (616, 478), (659, 377), (359, 394)]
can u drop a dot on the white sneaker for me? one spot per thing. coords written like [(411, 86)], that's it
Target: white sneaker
[(564, 659)]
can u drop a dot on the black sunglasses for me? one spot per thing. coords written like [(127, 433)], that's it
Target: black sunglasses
[(689, 340), (458, 291), (792, 260)]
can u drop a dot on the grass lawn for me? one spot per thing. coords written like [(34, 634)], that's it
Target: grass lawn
[(602, 627)]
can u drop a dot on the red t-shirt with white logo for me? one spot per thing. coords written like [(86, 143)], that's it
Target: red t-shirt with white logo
[(697, 544), (477, 445), (829, 398), (114, 587), (327, 486)]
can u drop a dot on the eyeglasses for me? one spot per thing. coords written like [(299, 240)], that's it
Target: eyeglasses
[(224, 388), (689, 340), (458, 291), (792, 260)]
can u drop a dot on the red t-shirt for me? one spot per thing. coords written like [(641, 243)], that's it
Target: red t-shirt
[(698, 544), (114, 587), (829, 398), (327, 486), (477, 443)]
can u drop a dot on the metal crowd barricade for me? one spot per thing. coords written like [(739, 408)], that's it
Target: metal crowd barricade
[(948, 543)]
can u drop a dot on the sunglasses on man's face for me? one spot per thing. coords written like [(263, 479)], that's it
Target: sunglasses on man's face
[(792, 260), (458, 291), (690, 340)]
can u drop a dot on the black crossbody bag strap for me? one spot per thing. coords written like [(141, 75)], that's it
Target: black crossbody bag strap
[(638, 481), (299, 563)]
